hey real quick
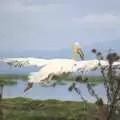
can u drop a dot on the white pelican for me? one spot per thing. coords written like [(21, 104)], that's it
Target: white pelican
[(55, 67), (49, 68)]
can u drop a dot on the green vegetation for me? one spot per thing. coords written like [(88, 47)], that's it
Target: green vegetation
[(11, 79), (28, 109), (94, 80)]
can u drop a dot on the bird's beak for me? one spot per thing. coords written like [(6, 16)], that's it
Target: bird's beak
[(29, 85)]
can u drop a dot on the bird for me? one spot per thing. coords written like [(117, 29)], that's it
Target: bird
[(50, 68), (57, 67)]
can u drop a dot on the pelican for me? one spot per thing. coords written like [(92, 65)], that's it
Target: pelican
[(49, 68)]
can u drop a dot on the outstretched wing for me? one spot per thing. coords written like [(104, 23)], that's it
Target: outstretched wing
[(23, 62), (91, 65), (61, 67), (54, 68), (66, 68)]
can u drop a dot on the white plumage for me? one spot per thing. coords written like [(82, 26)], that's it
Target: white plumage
[(55, 67), (20, 62)]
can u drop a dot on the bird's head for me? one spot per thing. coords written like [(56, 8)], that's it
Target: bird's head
[(76, 47), (77, 50)]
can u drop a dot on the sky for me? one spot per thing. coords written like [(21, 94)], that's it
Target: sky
[(56, 24)]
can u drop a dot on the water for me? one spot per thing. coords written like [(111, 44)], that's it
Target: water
[(59, 92)]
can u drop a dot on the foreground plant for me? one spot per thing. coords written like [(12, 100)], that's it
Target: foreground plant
[(111, 78)]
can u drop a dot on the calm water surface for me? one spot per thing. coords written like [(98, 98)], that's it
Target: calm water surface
[(59, 92)]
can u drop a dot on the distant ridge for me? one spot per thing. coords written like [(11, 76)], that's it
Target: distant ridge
[(65, 53), (111, 44)]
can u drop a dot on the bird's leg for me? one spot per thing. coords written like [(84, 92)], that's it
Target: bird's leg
[(29, 85)]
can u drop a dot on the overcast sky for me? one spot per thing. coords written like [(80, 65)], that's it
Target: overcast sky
[(55, 24)]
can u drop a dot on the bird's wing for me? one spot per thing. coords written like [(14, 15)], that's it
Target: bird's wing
[(23, 62), (64, 67), (54, 68), (86, 65), (91, 65), (46, 73)]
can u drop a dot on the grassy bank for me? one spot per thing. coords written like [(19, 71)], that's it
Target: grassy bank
[(12, 79), (27, 109)]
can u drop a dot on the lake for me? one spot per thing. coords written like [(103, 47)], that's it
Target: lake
[(59, 92)]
